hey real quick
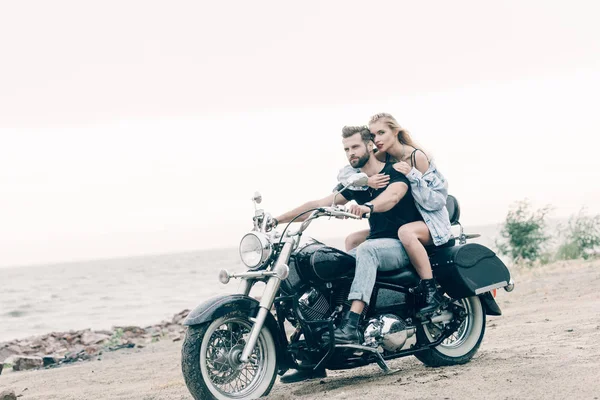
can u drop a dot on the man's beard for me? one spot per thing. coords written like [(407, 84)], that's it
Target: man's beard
[(360, 162)]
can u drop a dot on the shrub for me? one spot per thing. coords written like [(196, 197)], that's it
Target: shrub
[(581, 236), (524, 232)]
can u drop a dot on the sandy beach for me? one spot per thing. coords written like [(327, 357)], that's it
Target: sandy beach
[(544, 346)]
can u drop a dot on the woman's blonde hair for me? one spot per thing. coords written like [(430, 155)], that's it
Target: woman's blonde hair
[(403, 135)]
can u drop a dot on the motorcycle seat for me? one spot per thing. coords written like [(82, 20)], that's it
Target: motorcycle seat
[(403, 276), (407, 276)]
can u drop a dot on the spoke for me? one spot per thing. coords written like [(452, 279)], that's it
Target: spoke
[(226, 379), (248, 375)]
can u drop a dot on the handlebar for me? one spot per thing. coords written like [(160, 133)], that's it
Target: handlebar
[(326, 212), (340, 213)]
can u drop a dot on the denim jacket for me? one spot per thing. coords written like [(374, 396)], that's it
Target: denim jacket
[(430, 191)]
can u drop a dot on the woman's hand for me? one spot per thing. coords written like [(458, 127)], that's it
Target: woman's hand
[(402, 167), (378, 181)]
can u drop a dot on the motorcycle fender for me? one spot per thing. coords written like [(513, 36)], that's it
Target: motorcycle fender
[(489, 303), (218, 306)]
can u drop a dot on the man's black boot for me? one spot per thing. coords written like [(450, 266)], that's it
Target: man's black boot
[(347, 332), (302, 375), (431, 297)]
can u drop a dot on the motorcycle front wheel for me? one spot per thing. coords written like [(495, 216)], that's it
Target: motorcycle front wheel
[(210, 360), (462, 345)]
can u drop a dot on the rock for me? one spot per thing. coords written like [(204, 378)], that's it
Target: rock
[(153, 331), (135, 330), (75, 349), (10, 360), (88, 338), (1, 367), (23, 363), (122, 346), (179, 317), (92, 350), (8, 351), (50, 360), (8, 394)]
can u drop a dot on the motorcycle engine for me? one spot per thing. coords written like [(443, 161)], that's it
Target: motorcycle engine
[(388, 331), (313, 305)]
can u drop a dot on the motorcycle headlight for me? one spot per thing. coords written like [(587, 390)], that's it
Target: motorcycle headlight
[(255, 250)]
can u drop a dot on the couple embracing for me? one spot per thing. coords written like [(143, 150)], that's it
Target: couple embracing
[(406, 198)]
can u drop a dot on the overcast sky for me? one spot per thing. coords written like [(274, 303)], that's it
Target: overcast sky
[(134, 127)]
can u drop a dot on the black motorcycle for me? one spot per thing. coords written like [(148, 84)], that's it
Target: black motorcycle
[(235, 345)]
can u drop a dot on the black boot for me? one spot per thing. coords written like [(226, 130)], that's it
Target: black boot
[(347, 332), (431, 297), (302, 375)]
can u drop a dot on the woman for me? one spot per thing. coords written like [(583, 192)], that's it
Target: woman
[(429, 190)]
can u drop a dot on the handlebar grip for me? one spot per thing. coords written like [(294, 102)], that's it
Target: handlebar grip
[(366, 215)]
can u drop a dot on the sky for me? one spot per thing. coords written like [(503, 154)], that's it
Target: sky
[(141, 127)]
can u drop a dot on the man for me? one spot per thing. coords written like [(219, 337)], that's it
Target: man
[(390, 208)]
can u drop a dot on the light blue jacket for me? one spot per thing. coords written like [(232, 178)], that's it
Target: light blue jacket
[(430, 191)]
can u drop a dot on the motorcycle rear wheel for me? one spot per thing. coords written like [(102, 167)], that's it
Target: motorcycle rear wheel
[(209, 360), (462, 345)]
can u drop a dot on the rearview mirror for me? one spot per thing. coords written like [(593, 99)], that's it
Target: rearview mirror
[(354, 182), (359, 179)]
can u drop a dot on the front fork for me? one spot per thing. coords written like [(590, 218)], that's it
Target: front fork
[(281, 271)]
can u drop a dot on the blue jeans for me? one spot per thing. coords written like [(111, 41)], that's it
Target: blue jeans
[(371, 256)]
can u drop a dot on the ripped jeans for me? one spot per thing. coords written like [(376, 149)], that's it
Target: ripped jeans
[(371, 256)]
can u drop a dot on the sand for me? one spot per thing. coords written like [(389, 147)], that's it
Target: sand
[(546, 345)]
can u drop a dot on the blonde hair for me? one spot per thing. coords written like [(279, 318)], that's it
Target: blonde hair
[(403, 135)]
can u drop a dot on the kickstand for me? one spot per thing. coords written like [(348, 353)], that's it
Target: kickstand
[(383, 365)]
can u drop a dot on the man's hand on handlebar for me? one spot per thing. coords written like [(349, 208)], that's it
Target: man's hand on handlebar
[(272, 224), (358, 210)]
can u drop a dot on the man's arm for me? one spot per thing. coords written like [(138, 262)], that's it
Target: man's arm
[(324, 202), (390, 197), (385, 201)]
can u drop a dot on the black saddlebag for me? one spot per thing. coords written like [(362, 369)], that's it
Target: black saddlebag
[(468, 270)]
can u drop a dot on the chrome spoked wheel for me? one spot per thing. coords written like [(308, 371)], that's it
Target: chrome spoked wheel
[(211, 363), (463, 332), (462, 345), (223, 368)]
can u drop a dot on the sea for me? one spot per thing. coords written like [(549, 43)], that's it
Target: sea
[(140, 291)]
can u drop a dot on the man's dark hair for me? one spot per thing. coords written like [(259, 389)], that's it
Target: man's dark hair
[(363, 130)]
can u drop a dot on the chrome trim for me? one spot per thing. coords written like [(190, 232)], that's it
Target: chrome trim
[(253, 274), (266, 247), (357, 347), (380, 361), (491, 287), (224, 276), (266, 302), (510, 287), (280, 269), (445, 316), (246, 286)]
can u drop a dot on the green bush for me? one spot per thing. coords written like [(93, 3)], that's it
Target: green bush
[(524, 233), (568, 251), (582, 236)]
